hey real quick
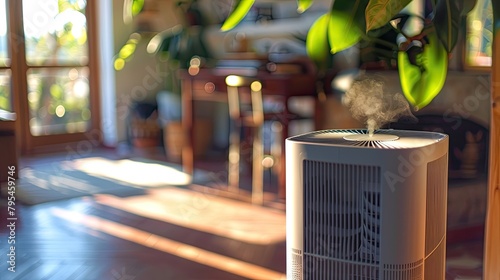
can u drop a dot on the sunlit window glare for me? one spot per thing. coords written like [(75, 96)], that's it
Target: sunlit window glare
[(81, 88), (37, 17), (480, 34), (5, 94), (58, 100), (4, 53), (3, 18), (55, 31)]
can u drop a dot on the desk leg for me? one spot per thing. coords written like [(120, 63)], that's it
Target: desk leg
[(187, 126)]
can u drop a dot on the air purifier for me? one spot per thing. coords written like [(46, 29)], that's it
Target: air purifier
[(361, 206)]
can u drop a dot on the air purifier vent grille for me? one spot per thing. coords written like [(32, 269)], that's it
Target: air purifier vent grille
[(318, 268), (435, 228), (342, 213), (296, 264), (412, 271)]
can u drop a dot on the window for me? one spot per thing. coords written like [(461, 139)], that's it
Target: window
[(5, 72), (57, 55), (46, 69), (479, 42)]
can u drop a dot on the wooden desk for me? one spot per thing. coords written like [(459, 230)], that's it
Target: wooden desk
[(209, 84)]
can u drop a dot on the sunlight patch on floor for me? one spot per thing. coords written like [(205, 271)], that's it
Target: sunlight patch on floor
[(58, 182), (169, 246), (215, 215), (132, 172)]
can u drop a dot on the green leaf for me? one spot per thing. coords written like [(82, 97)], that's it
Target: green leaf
[(240, 11), (354, 9), (342, 32), (137, 6), (162, 42), (379, 12), (317, 40), (346, 24), (466, 6), (447, 21), (420, 84), (496, 15), (303, 5)]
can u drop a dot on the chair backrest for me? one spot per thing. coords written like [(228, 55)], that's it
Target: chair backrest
[(245, 98)]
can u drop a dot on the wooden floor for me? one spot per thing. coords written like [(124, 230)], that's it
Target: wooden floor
[(84, 239), (113, 244)]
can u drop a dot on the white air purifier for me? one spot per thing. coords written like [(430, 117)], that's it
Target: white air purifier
[(366, 207)]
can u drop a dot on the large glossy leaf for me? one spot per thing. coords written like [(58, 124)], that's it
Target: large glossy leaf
[(379, 12), (422, 83), (317, 40), (342, 31), (466, 6), (496, 15), (447, 20), (137, 6), (240, 11), (347, 24), (303, 5), (355, 9)]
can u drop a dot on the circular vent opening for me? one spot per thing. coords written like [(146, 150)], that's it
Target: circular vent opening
[(368, 137)]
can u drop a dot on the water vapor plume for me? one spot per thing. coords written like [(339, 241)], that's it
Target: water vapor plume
[(370, 104)]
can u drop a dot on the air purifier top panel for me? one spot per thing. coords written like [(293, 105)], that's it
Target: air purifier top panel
[(381, 139)]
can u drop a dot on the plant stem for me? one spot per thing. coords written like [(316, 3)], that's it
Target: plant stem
[(393, 46)]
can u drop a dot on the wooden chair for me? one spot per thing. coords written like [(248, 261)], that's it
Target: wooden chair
[(250, 109), (246, 110)]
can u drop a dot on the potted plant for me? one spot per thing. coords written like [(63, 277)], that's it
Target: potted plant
[(177, 48)]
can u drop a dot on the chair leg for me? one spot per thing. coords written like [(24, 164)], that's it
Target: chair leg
[(276, 146), (234, 161), (257, 168)]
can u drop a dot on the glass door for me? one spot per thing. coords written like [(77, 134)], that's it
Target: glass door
[(58, 96), (5, 61)]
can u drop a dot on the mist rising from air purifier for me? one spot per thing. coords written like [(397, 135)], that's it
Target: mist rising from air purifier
[(369, 104)]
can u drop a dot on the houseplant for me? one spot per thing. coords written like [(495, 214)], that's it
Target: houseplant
[(166, 51), (421, 52), (181, 47)]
